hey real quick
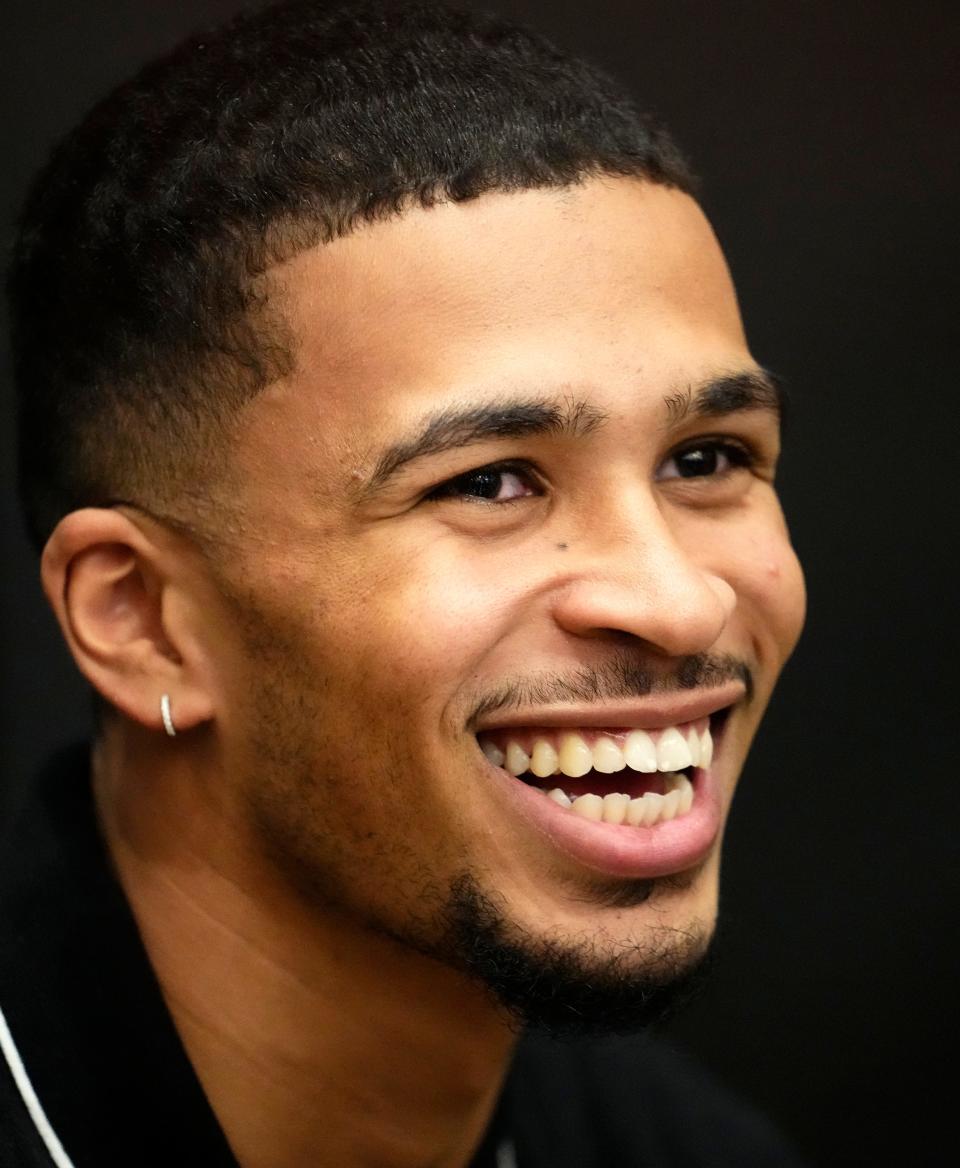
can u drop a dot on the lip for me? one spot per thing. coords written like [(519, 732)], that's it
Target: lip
[(622, 850), (649, 713)]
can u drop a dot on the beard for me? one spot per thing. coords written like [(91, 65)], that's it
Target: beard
[(574, 987), (588, 983)]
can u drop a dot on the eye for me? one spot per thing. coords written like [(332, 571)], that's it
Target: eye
[(710, 458), (497, 483)]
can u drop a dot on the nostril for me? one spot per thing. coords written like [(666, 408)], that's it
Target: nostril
[(675, 609)]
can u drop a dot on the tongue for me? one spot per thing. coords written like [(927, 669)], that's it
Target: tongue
[(626, 782)]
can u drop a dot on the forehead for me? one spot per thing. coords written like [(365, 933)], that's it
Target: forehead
[(593, 288)]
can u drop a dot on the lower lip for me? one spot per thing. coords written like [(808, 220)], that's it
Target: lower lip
[(622, 850)]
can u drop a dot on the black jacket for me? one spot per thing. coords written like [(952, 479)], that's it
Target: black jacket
[(93, 1074)]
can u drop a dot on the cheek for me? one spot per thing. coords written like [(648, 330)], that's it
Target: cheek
[(753, 554), (771, 592), (444, 616), (424, 613)]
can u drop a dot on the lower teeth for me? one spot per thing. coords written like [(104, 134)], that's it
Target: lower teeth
[(644, 811)]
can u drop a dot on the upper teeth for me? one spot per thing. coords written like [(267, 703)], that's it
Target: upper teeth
[(671, 749)]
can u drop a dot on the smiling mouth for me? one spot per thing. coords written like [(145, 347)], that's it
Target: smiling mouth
[(620, 776)]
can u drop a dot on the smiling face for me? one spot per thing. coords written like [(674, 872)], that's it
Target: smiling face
[(515, 499)]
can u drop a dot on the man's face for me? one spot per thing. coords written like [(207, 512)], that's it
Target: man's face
[(517, 495)]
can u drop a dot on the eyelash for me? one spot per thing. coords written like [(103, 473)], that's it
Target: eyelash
[(739, 455), (447, 489)]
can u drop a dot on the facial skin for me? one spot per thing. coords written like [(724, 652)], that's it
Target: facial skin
[(375, 622), (350, 633)]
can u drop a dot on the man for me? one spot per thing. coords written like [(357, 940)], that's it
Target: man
[(405, 489)]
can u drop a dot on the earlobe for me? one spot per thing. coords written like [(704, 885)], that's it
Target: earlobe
[(109, 582)]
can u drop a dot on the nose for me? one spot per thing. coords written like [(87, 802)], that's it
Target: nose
[(645, 584)]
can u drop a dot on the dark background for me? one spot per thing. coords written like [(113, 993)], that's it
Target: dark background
[(825, 134)]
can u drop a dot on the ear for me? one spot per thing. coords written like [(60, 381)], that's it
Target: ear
[(119, 591)]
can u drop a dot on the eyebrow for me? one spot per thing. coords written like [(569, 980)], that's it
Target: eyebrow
[(750, 389), (456, 427), (460, 426)]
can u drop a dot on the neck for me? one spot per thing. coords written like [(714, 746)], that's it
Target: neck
[(316, 1038)]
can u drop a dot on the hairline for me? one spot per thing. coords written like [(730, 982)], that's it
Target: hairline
[(285, 238)]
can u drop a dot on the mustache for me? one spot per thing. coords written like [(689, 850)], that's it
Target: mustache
[(621, 677)]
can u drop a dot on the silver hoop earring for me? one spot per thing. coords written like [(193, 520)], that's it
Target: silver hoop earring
[(166, 716)]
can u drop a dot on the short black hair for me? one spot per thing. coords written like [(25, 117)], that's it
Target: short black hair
[(140, 307)]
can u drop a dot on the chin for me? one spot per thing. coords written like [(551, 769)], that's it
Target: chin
[(638, 957)]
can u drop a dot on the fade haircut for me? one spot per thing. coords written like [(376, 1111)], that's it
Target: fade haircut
[(139, 285)]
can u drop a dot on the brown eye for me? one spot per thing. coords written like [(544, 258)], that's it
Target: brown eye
[(705, 460), (491, 484), (702, 461)]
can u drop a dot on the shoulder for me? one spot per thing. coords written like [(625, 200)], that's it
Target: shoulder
[(21, 1143), (632, 1101)]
